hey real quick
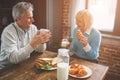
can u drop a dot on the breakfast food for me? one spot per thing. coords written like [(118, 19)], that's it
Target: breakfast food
[(79, 34), (78, 70), (45, 63)]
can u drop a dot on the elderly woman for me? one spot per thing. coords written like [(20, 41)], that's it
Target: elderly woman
[(21, 38), (86, 39)]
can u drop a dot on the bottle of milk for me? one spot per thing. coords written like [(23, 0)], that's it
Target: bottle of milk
[(63, 64)]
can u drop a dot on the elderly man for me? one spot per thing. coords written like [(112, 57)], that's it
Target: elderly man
[(86, 39), (20, 38)]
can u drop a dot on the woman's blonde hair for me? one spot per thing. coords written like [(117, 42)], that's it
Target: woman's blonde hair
[(86, 17)]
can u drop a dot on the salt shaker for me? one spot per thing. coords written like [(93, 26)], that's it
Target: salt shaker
[(63, 64)]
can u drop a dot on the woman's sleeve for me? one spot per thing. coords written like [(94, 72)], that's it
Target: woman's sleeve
[(95, 44)]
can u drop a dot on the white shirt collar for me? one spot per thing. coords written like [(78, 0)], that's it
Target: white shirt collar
[(88, 31), (20, 28)]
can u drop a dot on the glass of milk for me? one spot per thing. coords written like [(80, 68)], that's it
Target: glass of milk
[(62, 71), (64, 43), (44, 30), (62, 64)]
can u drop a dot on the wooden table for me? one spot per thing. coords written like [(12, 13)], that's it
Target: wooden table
[(26, 70)]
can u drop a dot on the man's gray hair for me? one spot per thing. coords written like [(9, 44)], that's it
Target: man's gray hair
[(20, 8)]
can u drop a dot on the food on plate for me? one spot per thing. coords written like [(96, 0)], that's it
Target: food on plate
[(73, 71), (81, 72), (78, 70), (54, 61), (74, 65), (45, 63)]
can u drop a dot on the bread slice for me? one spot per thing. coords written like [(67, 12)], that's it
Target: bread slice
[(54, 61)]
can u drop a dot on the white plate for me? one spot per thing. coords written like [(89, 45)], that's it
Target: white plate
[(46, 58), (89, 73), (53, 68)]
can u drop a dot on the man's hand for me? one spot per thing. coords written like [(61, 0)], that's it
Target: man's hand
[(46, 36), (40, 38)]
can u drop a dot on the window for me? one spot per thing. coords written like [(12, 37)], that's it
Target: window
[(106, 14)]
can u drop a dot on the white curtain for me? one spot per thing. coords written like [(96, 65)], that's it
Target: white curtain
[(75, 6)]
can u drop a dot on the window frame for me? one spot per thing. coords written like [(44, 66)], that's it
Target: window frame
[(116, 30)]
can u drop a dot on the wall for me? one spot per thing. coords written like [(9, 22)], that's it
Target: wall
[(65, 16), (54, 23), (110, 55), (109, 49), (39, 13)]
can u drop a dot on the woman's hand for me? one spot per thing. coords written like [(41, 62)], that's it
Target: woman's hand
[(82, 38)]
